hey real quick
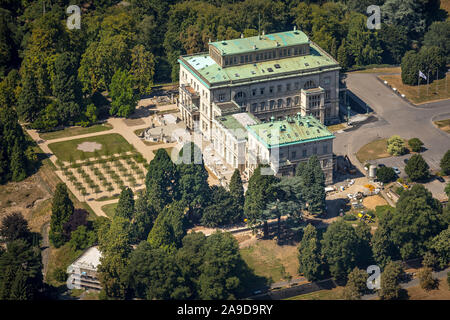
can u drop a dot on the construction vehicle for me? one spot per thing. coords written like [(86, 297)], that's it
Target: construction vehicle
[(363, 216)]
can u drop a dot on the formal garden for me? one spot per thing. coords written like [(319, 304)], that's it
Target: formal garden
[(99, 167)]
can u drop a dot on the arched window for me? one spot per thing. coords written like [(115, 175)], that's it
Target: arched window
[(280, 103), (309, 84)]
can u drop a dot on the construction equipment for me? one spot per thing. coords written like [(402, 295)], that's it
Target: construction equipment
[(350, 166)]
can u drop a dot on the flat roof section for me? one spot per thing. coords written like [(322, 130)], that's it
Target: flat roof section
[(214, 73), (287, 132), (236, 123), (263, 42), (228, 107)]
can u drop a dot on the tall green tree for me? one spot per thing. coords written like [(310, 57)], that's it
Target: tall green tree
[(62, 209), (356, 285), (193, 183), (417, 168), (390, 279), (445, 163), (222, 267), (161, 181), (338, 248), (125, 206), (223, 209), (30, 102), (143, 218), (123, 97), (18, 163), (237, 190), (154, 275), (14, 227), (142, 69), (311, 263), (20, 271)]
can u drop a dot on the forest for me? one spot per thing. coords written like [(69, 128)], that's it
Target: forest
[(52, 76)]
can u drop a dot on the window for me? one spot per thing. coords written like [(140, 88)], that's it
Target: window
[(262, 90), (242, 59), (253, 92), (326, 80), (221, 97), (271, 89), (327, 94), (254, 107), (279, 88), (304, 152), (272, 104), (296, 100), (288, 102), (309, 84), (280, 103), (288, 87), (263, 106), (314, 150), (296, 85), (294, 155), (325, 149)]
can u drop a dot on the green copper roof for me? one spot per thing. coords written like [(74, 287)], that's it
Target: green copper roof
[(213, 73), (268, 41), (294, 131)]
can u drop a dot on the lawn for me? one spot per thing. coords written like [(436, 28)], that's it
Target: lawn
[(111, 143), (269, 260), (75, 131), (60, 259), (333, 294), (381, 70), (442, 293), (444, 125), (437, 89), (373, 150), (110, 209)]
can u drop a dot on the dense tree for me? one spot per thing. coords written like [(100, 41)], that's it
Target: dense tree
[(193, 183), (311, 263), (161, 181), (153, 274), (114, 242), (20, 271), (404, 13), (223, 209), (440, 245), (121, 91), (390, 278), (429, 260), (417, 219), (356, 285), (338, 248), (386, 174), (237, 190), (142, 69), (66, 87), (383, 247), (82, 238), (344, 57), (221, 269), (313, 184), (143, 218), (259, 193), (169, 228), (415, 144), (429, 60), (77, 219), (439, 35), (125, 206), (394, 42), (417, 168), (427, 282), (445, 163), (30, 102), (14, 227), (190, 257), (62, 209)]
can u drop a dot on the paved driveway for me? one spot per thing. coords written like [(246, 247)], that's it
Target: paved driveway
[(395, 116)]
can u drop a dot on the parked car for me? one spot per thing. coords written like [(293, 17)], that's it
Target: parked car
[(396, 170), (440, 179), (405, 160), (381, 165)]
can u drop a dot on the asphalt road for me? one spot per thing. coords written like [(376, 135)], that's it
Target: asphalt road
[(395, 116)]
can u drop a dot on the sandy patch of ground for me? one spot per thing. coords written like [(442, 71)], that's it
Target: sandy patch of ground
[(89, 146), (373, 201)]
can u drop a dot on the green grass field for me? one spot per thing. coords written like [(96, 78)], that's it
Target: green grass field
[(444, 125), (74, 131), (333, 294), (114, 143), (110, 209)]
